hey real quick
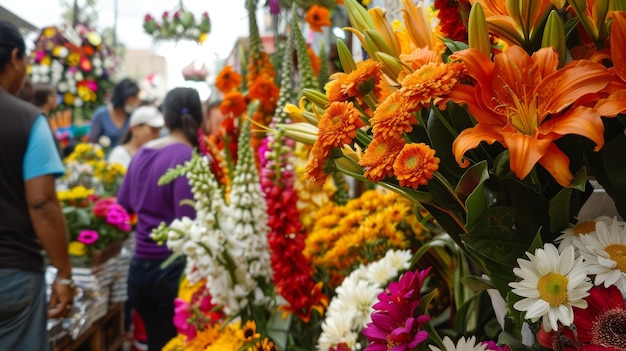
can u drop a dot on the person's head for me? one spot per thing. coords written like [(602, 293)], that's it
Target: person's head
[(126, 96), (212, 118), (45, 97), (145, 124), (183, 111), (12, 58), (27, 92)]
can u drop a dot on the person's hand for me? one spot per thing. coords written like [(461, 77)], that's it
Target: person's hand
[(61, 300)]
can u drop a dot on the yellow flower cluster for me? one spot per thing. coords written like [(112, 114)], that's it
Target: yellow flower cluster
[(213, 338), (76, 193), (109, 173), (85, 152), (361, 231), (310, 197), (76, 248)]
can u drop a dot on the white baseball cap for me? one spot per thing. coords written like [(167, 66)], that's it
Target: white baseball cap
[(147, 115)]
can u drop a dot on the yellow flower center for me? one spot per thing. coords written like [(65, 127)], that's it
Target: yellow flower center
[(553, 289), (618, 254), (411, 162), (521, 114), (584, 228)]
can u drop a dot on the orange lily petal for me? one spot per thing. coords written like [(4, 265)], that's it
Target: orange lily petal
[(470, 138), (525, 151), (584, 121), (561, 89), (618, 42), (614, 104), (479, 67), (557, 163), (547, 60), (514, 72), (465, 94)]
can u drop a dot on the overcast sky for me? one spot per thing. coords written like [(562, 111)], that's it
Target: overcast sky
[(228, 20)]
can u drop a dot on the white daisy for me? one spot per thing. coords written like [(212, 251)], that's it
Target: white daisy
[(569, 236), (462, 345), (604, 252), (551, 285)]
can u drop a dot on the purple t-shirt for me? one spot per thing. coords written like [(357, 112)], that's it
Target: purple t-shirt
[(153, 204)]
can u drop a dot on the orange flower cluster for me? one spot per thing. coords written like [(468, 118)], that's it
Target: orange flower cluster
[(337, 126), (364, 79), (227, 80)]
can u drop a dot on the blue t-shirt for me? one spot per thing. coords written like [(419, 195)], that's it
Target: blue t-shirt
[(41, 157), (102, 125)]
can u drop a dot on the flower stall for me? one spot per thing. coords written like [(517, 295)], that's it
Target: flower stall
[(479, 126), (77, 61)]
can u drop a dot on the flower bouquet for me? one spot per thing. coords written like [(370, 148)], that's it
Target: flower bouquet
[(180, 25), (77, 62), (87, 166), (96, 226), (495, 135)]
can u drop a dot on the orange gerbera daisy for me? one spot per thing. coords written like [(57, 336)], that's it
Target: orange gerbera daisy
[(432, 81), (316, 62), (234, 104), (334, 91), (363, 79), (265, 90), (318, 17), (415, 165), (338, 125), (227, 79), (393, 117), (379, 157)]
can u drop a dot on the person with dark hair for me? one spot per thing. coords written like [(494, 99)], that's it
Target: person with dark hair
[(152, 289), (27, 92), (45, 97), (30, 214), (111, 121)]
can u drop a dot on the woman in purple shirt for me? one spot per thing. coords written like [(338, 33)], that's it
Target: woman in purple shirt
[(151, 289)]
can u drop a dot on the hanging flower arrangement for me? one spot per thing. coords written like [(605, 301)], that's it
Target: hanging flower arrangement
[(181, 24), (195, 74), (77, 62)]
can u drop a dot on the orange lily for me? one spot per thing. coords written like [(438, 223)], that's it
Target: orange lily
[(517, 22), (616, 101), (525, 103)]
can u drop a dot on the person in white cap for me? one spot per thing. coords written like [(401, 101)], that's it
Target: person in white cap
[(145, 124)]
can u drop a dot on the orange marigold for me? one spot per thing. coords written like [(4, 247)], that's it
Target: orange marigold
[(363, 79), (338, 125), (234, 104), (316, 62), (318, 17), (265, 90), (227, 79), (432, 81), (314, 170), (415, 165), (394, 116), (379, 157)]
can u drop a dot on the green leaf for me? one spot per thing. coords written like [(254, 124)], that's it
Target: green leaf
[(515, 344), (172, 174), (499, 215), (476, 283), (82, 217), (559, 208), (278, 329), (472, 184), (537, 243), (454, 46)]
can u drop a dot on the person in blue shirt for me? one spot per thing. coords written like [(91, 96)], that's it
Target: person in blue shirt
[(110, 122), (31, 218)]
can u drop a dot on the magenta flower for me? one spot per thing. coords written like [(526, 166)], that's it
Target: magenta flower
[(274, 7), (182, 319), (491, 345), (88, 237), (394, 326), (118, 217)]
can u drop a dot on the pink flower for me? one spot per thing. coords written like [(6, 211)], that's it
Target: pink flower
[(182, 319), (118, 217), (88, 237), (491, 345), (394, 325)]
